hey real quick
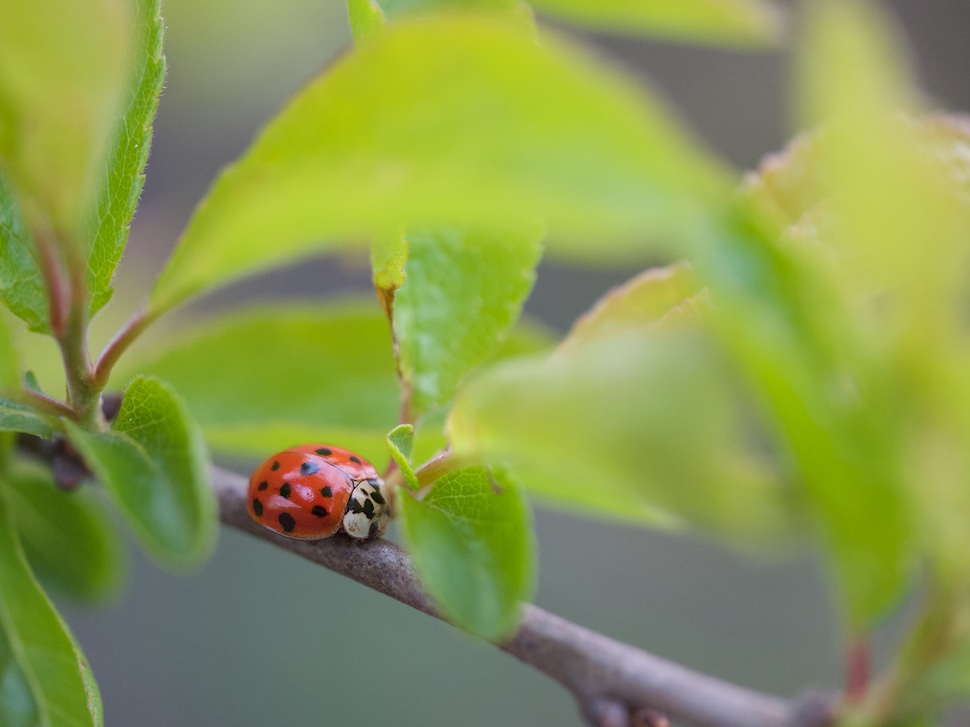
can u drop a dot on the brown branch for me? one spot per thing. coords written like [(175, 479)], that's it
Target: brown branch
[(614, 683)]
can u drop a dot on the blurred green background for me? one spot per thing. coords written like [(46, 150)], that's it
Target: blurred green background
[(258, 637)]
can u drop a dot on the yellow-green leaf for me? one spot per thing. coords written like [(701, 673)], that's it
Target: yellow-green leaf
[(63, 68), (294, 373), (647, 428), (745, 23), (451, 120)]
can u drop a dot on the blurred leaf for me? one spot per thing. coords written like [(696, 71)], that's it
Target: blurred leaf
[(903, 229), (125, 176), (68, 541), (365, 17), (259, 439), (830, 399), (430, 438), (637, 304), (15, 417), (288, 374), (400, 441), (153, 464), (62, 72), (398, 8), (900, 225), (46, 678), (646, 428), (450, 121), (22, 287), (789, 183), (472, 545), (527, 337), (463, 292), (744, 23), (9, 365)]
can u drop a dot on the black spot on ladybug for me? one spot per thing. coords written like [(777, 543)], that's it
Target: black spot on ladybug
[(285, 490), (373, 528), (258, 508), (354, 506), (355, 460), (262, 486), (319, 511), (287, 521), (377, 497), (323, 451), (309, 468), (369, 508), (326, 491), (276, 465)]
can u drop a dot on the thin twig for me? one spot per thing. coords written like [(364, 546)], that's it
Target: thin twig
[(125, 336), (58, 300), (48, 404), (594, 668)]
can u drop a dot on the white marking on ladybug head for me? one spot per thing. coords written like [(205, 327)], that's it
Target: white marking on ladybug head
[(368, 510)]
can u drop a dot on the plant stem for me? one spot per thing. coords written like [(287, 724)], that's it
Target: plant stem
[(590, 665), (48, 404), (125, 336), (57, 294), (83, 394), (857, 668), (64, 271)]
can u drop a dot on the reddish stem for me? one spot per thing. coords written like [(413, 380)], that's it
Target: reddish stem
[(125, 336), (48, 404), (57, 294), (857, 668)]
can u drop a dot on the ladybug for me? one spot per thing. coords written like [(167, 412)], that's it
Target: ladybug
[(312, 491)]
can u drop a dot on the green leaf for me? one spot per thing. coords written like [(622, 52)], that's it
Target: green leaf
[(744, 23), (472, 545), (365, 17), (299, 373), (46, 679), (400, 441), (463, 292), (62, 72), (829, 397), (9, 363), (68, 541), (124, 176), (886, 189), (897, 232), (22, 287), (368, 16), (153, 464), (16, 417), (788, 184), (655, 296), (402, 8), (646, 428), (459, 121)]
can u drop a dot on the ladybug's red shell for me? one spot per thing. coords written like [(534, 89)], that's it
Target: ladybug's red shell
[(354, 465), (311, 491)]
